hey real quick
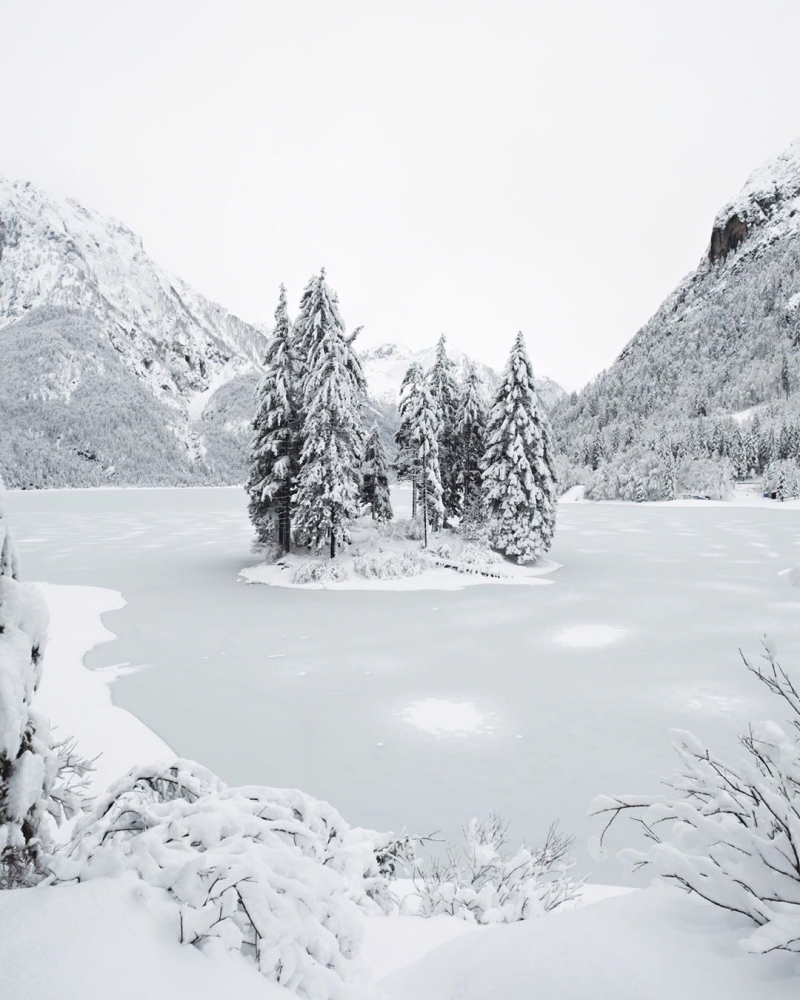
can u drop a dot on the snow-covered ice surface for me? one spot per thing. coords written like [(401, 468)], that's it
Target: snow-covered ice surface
[(314, 689)]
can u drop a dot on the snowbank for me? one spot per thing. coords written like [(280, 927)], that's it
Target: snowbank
[(111, 938), (656, 944), (78, 701), (391, 557)]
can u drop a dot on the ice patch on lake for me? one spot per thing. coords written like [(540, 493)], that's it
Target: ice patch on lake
[(441, 717), (584, 636)]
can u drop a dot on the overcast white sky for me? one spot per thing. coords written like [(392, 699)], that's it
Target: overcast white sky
[(471, 168)]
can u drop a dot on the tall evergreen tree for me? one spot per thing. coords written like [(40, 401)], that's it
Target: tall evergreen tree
[(330, 479), (518, 468), (444, 392), (405, 465), (420, 427), (375, 479), (275, 450), (471, 441)]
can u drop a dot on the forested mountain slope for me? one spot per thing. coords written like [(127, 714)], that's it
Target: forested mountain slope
[(715, 373), (112, 369)]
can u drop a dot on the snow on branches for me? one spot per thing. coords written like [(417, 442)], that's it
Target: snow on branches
[(519, 486), (485, 883), (29, 763), (730, 833), (271, 873), (274, 452)]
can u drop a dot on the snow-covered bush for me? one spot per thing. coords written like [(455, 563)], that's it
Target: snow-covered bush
[(708, 477), (782, 477), (409, 528), (485, 883), (32, 796), (390, 565), (730, 832), (271, 873), (318, 570)]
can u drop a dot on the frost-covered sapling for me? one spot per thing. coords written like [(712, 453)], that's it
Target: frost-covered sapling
[(488, 884), (519, 488), (730, 832)]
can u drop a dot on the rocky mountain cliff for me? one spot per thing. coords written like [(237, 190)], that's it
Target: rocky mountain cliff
[(721, 349)]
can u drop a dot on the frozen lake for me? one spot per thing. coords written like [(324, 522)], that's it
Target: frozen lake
[(422, 709)]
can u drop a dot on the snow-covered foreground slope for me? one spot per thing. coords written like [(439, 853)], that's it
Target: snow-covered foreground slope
[(656, 944), (110, 938)]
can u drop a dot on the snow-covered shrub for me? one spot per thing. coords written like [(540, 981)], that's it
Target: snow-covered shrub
[(782, 477), (390, 565), (708, 477), (730, 832), (271, 873), (485, 883), (31, 796), (403, 528), (319, 571)]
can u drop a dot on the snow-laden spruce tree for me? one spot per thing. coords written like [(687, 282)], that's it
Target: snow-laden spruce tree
[(444, 392), (319, 313), (375, 479), (29, 766), (471, 443), (275, 449), (519, 488), (420, 421), (330, 461), (405, 465)]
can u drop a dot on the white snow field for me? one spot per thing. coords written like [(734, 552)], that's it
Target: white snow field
[(422, 709)]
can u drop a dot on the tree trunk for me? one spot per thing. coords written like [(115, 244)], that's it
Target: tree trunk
[(333, 542)]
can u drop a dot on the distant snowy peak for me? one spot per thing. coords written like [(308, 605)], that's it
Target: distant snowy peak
[(386, 365), (55, 252), (766, 209)]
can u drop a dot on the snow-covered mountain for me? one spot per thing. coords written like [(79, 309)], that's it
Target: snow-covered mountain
[(386, 365), (112, 370), (724, 345)]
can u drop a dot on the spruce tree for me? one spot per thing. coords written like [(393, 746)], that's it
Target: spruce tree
[(519, 486), (375, 479), (333, 388), (405, 465), (471, 442), (420, 425), (444, 392), (28, 763), (275, 450)]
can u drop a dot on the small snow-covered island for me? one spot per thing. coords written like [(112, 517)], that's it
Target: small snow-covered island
[(450, 656), (481, 474)]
